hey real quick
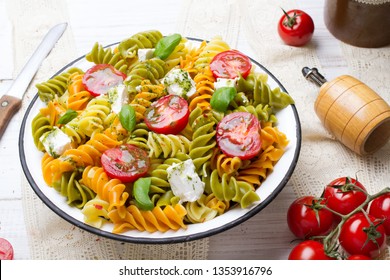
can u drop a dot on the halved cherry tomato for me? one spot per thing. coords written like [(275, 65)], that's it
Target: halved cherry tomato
[(6, 250), (296, 28), (238, 135), (230, 64), (168, 115), (344, 194), (380, 208), (101, 77), (307, 218), (309, 250), (362, 236), (126, 162)]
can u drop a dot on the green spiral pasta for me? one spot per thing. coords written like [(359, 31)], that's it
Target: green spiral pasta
[(262, 112), (142, 40), (152, 69), (100, 55), (229, 189), (167, 145), (76, 193), (139, 136), (203, 138), (198, 212), (40, 125), (56, 86), (257, 86)]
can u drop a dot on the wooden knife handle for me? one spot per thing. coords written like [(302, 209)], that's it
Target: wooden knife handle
[(9, 105)]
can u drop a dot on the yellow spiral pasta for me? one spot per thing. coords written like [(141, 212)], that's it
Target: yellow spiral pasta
[(225, 164), (147, 93), (158, 219), (204, 82), (78, 97), (215, 46), (82, 156), (111, 190)]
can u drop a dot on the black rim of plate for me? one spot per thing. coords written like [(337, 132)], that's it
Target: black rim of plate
[(168, 240)]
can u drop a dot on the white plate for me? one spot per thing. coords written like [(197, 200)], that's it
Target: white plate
[(288, 123)]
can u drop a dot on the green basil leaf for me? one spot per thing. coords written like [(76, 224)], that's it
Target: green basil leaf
[(141, 193), (68, 116), (221, 98), (166, 45), (127, 117)]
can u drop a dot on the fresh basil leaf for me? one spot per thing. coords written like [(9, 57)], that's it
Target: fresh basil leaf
[(127, 117), (68, 116), (221, 98), (166, 45), (141, 193)]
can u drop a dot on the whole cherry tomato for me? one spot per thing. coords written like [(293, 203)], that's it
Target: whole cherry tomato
[(360, 236), (296, 28), (380, 208), (307, 218), (344, 194), (309, 250)]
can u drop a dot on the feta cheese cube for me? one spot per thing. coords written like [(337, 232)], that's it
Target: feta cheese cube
[(179, 82), (145, 54), (118, 96), (185, 182), (221, 82), (56, 142)]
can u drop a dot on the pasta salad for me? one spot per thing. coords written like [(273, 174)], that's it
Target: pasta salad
[(159, 133)]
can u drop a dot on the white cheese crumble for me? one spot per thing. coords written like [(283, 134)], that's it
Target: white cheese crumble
[(221, 82), (56, 142), (145, 54), (185, 182), (179, 82), (118, 96)]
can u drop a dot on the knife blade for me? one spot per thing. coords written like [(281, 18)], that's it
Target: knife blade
[(11, 102)]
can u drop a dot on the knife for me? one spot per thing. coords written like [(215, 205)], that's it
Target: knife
[(11, 102)]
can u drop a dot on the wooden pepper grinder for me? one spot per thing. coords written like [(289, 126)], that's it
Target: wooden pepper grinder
[(355, 114)]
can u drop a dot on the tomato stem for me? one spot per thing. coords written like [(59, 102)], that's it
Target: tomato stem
[(331, 240)]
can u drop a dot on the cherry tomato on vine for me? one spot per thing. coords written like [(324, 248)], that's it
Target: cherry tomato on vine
[(238, 135), (126, 163), (168, 115), (101, 77), (296, 28), (230, 64), (307, 218), (360, 236), (344, 194), (309, 250), (380, 208)]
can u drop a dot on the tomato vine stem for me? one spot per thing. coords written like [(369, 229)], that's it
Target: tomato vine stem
[(330, 241)]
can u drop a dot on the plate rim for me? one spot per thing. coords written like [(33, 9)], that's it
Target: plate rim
[(159, 240)]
